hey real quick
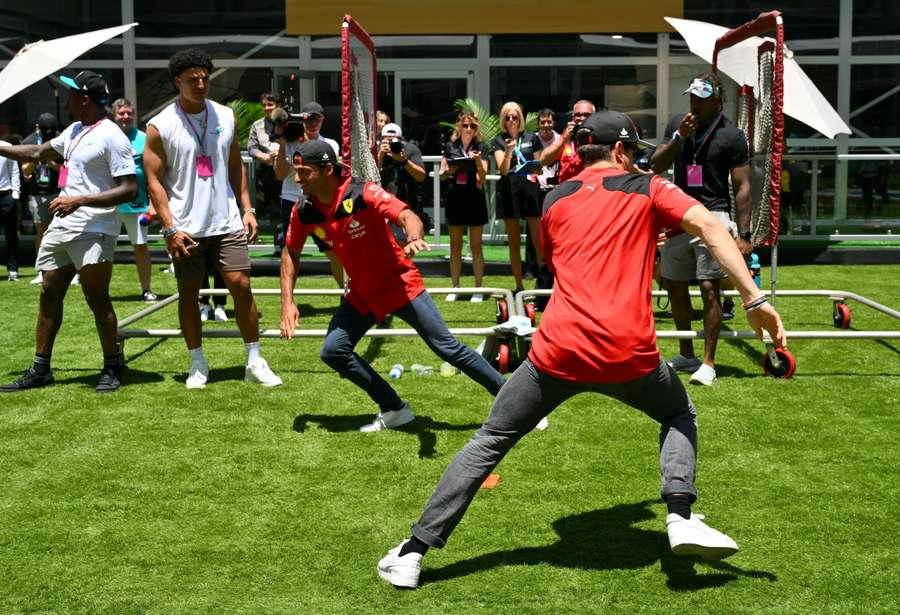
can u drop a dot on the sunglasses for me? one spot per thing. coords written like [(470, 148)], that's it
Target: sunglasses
[(512, 117), (472, 126)]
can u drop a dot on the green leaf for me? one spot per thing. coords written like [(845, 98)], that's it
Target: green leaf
[(245, 113)]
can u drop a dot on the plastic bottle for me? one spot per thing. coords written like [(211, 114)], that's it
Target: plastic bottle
[(421, 370), (396, 372), (41, 171), (753, 264), (448, 370)]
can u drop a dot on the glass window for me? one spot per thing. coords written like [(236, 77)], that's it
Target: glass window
[(810, 26), (868, 83), (394, 47), (625, 88), (24, 22), (572, 45), (876, 27)]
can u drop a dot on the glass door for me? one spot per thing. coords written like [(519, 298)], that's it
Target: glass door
[(425, 100)]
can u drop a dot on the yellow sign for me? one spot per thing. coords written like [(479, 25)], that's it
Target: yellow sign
[(306, 17), (348, 205)]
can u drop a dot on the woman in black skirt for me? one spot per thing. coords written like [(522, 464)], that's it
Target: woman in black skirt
[(517, 192), (464, 167)]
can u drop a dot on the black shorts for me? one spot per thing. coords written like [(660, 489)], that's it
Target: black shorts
[(466, 207), (517, 198)]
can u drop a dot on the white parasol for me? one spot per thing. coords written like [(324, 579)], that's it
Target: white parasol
[(38, 60), (802, 99)]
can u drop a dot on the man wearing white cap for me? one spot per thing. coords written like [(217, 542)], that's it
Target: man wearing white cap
[(706, 149), (402, 169)]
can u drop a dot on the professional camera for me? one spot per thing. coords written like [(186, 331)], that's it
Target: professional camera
[(396, 146), (291, 125)]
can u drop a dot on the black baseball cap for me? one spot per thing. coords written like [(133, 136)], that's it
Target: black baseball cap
[(318, 153), (606, 128), (47, 122), (313, 108), (89, 84)]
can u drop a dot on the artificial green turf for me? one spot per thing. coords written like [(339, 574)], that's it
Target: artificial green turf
[(237, 499)]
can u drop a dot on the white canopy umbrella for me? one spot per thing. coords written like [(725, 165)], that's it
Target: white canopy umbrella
[(43, 58), (802, 99)]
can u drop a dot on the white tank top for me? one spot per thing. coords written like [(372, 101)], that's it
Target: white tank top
[(201, 206)]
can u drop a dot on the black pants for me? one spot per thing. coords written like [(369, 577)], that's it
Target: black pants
[(10, 220)]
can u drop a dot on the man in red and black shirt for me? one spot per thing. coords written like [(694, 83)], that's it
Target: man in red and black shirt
[(597, 335), (349, 216)]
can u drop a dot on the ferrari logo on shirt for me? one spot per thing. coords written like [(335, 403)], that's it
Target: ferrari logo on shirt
[(348, 205)]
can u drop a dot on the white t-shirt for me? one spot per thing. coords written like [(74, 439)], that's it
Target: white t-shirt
[(291, 190), (94, 156), (201, 206)]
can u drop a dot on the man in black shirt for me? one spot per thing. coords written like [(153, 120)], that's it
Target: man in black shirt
[(706, 149), (42, 180), (402, 170)]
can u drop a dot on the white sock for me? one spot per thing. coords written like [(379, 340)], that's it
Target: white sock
[(252, 352), (197, 354)]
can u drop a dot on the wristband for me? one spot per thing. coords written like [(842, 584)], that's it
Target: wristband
[(249, 210), (168, 232), (756, 306), (754, 302)]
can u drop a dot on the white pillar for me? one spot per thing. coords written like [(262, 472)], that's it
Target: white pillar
[(845, 50), (128, 54)]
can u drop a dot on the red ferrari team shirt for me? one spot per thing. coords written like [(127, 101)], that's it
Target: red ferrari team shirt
[(599, 235), (569, 163), (382, 278)]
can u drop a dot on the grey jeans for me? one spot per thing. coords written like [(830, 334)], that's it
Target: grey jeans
[(529, 396), (348, 326)]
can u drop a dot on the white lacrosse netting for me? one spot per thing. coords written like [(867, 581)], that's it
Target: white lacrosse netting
[(358, 101), (759, 114)]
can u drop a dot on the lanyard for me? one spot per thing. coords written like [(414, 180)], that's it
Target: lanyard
[(201, 136), (706, 136), (68, 155)]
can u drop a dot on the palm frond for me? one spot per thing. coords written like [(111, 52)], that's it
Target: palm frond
[(245, 113)]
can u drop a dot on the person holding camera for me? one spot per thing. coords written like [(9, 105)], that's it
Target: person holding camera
[(514, 151), (263, 149), (291, 130), (564, 150), (465, 166), (402, 169)]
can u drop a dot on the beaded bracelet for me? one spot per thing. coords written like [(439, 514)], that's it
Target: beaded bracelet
[(752, 302)]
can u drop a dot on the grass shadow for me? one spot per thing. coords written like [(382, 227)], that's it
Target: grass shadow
[(888, 345), (220, 374), (423, 428), (307, 310), (606, 539), (129, 377)]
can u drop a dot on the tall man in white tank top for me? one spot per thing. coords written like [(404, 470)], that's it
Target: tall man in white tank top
[(194, 172)]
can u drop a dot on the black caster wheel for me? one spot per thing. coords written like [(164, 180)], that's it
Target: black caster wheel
[(787, 367), (842, 316)]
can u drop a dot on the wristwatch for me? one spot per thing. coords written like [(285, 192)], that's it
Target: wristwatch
[(746, 235)]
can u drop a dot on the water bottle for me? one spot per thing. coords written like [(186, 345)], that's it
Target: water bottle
[(448, 370), (421, 370), (396, 372), (41, 171), (753, 264)]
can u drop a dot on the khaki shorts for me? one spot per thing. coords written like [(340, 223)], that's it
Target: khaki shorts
[(685, 257), (219, 252), (62, 247), (39, 205)]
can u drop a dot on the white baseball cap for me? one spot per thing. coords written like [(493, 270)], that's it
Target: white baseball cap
[(391, 130)]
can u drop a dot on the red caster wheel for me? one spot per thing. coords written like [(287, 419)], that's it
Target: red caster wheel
[(787, 367), (842, 316), (502, 311), (531, 312), (503, 358)]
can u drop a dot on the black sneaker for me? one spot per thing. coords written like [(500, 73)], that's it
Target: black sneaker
[(31, 379), (109, 380), (728, 310)]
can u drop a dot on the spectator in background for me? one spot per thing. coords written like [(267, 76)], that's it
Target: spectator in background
[(42, 180), (466, 205), (130, 214), (263, 149), (10, 190), (564, 149), (288, 133), (381, 120), (402, 169), (517, 192), (206, 311)]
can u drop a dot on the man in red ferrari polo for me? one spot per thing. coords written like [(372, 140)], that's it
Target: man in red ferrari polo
[(349, 216), (597, 335)]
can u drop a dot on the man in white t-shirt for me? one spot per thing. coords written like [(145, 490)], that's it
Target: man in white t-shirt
[(97, 174), (194, 172)]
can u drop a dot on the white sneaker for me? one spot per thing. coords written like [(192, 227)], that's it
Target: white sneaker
[(401, 571), (170, 268), (259, 373), (198, 374), (704, 375), (76, 281), (451, 297), (389, 420), (693, 537), (219, 314), (542, 424), (38, 279), (477, 298), (12, 276), (205, 312), (683, 364)]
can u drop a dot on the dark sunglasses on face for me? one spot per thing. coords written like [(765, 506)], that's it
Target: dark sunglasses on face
[(472, 126), (512, 117)]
